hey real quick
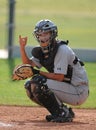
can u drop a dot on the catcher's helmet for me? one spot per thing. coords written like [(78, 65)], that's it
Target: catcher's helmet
[(45, 26)]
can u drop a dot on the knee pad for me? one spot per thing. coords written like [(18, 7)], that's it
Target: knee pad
[(41, 80), (35, 86), (40, 83)]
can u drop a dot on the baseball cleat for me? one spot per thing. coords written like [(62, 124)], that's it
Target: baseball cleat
[(60, 118)]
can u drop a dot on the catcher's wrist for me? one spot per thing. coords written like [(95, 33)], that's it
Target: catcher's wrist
[(38, 71), (35, 71)]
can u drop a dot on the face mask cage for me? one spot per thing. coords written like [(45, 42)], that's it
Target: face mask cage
[(45, 26), (51, 39), (48, 42)]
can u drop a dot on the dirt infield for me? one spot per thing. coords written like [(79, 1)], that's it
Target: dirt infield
[(33, 118)]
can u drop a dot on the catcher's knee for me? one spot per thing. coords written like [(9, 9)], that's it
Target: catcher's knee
[(35, 87)]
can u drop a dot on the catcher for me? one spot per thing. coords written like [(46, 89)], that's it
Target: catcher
[(64, 82)]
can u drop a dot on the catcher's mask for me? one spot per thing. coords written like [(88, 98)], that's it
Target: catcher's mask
[(45, 32)]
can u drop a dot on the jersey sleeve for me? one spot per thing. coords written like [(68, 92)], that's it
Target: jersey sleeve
[(61, 60), (36, 61)]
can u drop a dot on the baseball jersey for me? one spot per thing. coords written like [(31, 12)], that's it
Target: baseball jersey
[(64, 57)]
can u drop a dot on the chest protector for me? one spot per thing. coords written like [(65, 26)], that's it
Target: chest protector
[(48, 63)]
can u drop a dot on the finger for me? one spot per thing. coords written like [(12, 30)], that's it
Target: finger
[(19, 36), (26, 38), (20, 39)]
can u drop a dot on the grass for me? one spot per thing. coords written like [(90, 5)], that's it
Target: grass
[(13, 93), (76, 20)]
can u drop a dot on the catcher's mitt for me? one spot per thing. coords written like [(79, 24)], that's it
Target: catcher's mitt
[(22, 72)]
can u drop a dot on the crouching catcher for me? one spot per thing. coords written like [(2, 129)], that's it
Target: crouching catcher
[(38, 91), (64, 82)]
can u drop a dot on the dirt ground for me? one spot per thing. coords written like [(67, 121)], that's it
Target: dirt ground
[(33, 118)]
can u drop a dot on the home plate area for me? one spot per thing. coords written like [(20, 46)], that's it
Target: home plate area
[(2, 124), (33, 118)]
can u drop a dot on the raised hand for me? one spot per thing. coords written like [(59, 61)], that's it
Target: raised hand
[(22, 41)]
